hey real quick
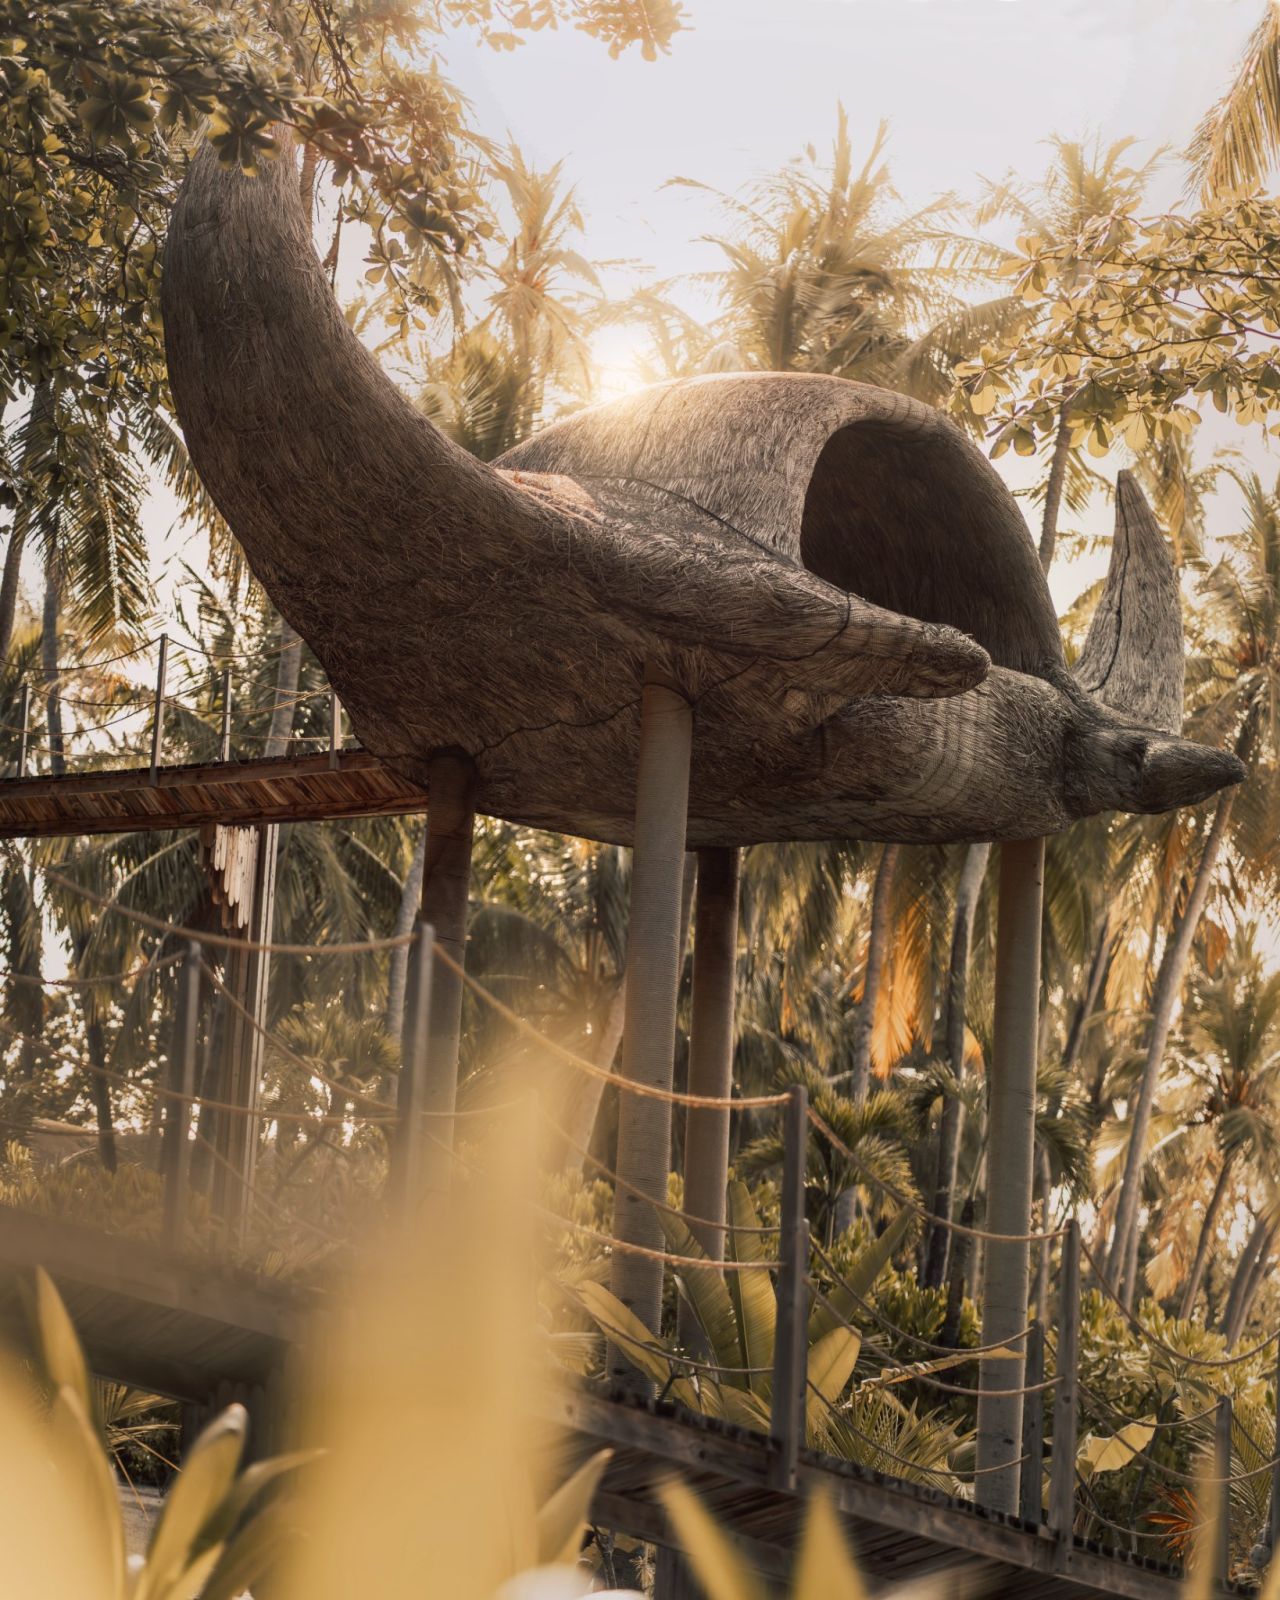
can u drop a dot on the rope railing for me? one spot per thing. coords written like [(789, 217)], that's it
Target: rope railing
[(228, 726), (900, 1197), (804, 1276)]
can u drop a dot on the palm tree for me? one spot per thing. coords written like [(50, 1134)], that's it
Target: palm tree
[(1236, 145), (1082, 184), (825, 272), (1232, 1054), (1239, 693)]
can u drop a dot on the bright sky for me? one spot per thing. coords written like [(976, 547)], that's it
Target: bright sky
[(970, 87)]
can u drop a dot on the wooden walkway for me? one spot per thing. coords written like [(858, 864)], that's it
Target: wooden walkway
[(344, 783), (202, 1335)]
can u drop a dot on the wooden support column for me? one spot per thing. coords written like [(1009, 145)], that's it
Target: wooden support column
[(653, 970), (247, 976), (711, 1040), (446, 888), (1011, 1119)]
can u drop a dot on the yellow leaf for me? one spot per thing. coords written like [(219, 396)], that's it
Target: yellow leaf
[(716, 1564), (563, 1518), (1099, 1453), (824, 1569)]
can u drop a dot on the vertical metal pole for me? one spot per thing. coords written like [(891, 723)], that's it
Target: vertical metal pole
[(224, 752), (25, 714), (1031, 1488), (654, 959), (446, 884), (157, 725), (1221, 1554), (407, 1163), (176, 1154), (248, 977), (1066, 1413), (335, 728), (1011, 1117), (1274, 1522), (791, 1344)]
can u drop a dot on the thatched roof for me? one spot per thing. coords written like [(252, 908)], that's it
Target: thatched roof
[(811, 560)]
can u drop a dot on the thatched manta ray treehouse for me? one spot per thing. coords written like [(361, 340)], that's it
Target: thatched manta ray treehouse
[(726, 610)]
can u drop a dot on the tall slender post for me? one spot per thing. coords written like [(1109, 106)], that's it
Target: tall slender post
[(653, 970), (248, 977), (25, 714), (224, 749), (791, 1345), (446, 885), (1011, 1121), (1066, 1399), (412, 1131), (711, 1037), (1221, 1553), (1274, 1520), (176, 1151), (1031, 1490), (157, 723), (335, 728)]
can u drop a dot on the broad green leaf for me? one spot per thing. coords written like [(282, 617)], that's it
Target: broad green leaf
[(716, 1564), (831, 1364), (705, 1291), (1102, 1453), (251, 1482), (824, 1568), (194, 1501), (250, 1554), (623, 1328), (562, 1519), (860, 1279), (751, 1291), (60, 1352), (81, 1454)]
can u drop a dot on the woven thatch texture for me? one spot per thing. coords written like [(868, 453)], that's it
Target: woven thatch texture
[(509, 613)]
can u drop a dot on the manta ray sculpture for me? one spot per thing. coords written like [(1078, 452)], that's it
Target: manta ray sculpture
[(835, 577)]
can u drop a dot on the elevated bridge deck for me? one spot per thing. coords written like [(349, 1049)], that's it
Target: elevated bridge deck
[(167, 1321)]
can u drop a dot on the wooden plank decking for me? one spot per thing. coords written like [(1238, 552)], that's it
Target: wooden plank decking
[(351, 783), (186, 1329)]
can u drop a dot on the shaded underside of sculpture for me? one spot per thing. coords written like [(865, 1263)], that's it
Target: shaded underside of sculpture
[(834, 576)]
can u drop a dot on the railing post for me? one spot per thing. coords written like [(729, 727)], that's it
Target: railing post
[(176, 1151), (335, 728), (224, 753), (1066, 1416), (1274, 1520), (1031, 1485), (157, 725), (791, 1341), (1222, 1490), (407, 1153), (25, 714)]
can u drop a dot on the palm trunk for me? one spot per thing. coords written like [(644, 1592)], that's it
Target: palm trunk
[(446, 888), (1196, 1276), (1053, 493), (49, 665), (587, 1095), (288, 666), (582, 1105), (711, 1041), (1011, 1125), (1173, 965), (1240, 1277), (406, 914), (1250, 1281), (653, 972), (951, 1124), (864, 1024), (95, 1038), (41, 411), (877, 940)]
